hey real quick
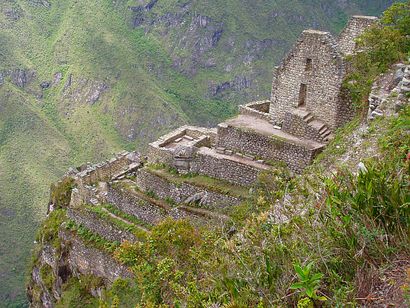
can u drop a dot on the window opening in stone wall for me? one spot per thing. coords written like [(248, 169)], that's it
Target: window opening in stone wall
[(309, 63), (302, 95)]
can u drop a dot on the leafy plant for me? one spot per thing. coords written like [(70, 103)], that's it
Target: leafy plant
[(309, 282)]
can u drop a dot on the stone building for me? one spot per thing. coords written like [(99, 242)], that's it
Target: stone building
[(304, 110)]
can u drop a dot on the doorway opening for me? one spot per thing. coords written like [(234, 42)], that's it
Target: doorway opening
[(302, 95)]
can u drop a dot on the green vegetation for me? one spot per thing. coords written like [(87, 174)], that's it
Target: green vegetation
[(77, 292), (60, 195), (48, 232), (384, 44), (47, 276)]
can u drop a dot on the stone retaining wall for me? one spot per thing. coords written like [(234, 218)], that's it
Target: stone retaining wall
[(297, 157), (97, 225), (225, 169), (133, 205), (148, 181)]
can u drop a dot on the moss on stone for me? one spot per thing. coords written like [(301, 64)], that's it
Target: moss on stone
[(47, 276)]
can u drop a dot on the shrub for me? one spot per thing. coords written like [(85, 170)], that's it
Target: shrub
[(61, 193)]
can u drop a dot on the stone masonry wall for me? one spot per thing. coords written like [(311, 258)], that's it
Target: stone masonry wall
[(95, 224), (231, 171), (356, 26), (105, 171), (159, 153), (181, 192), (257, 109), (316, 63), (132, 205), (295, 125), (297, 157)]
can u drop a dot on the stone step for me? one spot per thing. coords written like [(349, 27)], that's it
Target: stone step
[(326, 134), (317, 125), (302, 113), (330, 137), (324, 129), (308, 118)]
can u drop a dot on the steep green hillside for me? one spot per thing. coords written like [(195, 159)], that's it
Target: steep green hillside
[(82, 79)]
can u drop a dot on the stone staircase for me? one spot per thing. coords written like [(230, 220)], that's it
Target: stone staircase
[(322, 130)]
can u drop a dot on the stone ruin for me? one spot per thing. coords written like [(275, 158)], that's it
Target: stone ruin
[(291, 128), (304, 110), (200, 174)]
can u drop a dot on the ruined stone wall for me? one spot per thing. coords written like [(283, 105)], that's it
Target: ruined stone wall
[(103, 172), (296, 156), (259, 110), (135, 206), (356, 26), (231, 171), (158, 152), (316, 63), (95, 224), (181, 192)]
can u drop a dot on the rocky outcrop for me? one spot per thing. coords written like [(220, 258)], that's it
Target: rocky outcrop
[(238, 84), (83, 91), (41, 3), (21, 77)]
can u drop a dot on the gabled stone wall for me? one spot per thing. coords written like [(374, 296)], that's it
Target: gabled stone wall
[(314, 69), (356, 26)]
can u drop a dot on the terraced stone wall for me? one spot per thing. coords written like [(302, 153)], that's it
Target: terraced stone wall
[(95, 224), (231, 171), (164, 189), (296, 156)]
